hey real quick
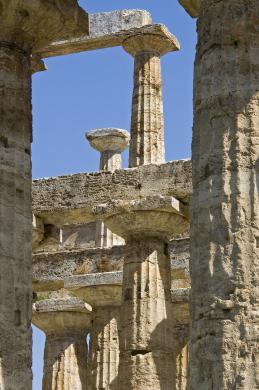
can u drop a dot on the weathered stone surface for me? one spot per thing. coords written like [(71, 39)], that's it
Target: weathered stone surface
[(99, 290), (70, 199), (191, 6), (50, 269), (147, 119), (225, 216), (111, 142), (104, 349), (15, 215), (103, 291), (36, 24), (66, 323), (146, 342), (107, 29), (25, 26), (150, 215)]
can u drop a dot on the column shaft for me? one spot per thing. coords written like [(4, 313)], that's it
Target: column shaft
[(225, 219), (146, 343), (104, 349), (110, 160), (15, 216), (65, 361), (147, 120)]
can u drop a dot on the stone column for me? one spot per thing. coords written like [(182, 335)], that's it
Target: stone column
[(66, 323), (147, 319), (147, 119), (103, 292), (104, 348), (110, 142), (225, 216), (25, 26)]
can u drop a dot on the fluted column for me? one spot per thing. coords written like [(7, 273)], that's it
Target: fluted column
[(104, 348), (66, 323), (147, 119), (110, 142), (225, 215), (181, 355), (15, 215), (147, 345), (25, 27), (146, 335), (103, 292)]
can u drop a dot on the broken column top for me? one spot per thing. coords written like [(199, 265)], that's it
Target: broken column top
[(152, 38), (112, 139), (34, 24), (192, 7)]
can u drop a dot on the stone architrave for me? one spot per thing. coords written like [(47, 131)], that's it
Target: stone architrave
[(224, 351), (147, 119), (25, 27), (103, 293), (147, 319), (66, 322), (110, 142)]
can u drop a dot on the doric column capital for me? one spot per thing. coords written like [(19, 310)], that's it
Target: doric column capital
[(108, 139), (158, 216), (155, 39), (99, 290), (62, 316), (34, 24)]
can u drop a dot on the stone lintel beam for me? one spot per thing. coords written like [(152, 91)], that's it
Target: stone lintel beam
[(107, 29), (105, 289), (192, 7), (50, 269), (70, 199)]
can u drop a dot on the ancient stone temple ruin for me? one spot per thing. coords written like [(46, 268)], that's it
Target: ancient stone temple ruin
[(156, 264)]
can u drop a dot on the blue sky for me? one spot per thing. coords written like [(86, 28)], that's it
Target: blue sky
[(92, 90)]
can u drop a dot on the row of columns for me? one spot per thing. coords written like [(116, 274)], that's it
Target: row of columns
[(147, 356)]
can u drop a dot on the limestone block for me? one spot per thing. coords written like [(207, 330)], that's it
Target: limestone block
[(51, 200), (50, 269), (107, 29)]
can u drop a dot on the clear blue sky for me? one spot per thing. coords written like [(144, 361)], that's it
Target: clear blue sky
[(93, 90)]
